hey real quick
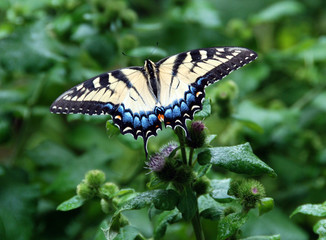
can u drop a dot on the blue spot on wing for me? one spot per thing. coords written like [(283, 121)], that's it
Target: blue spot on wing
[(176, 112)]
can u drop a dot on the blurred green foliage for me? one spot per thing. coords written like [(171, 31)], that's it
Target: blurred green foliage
[(278, 105)]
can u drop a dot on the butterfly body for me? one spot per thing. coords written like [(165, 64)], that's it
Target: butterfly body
[(140, 99)]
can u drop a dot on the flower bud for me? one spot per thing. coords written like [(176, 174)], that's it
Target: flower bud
[(201, 186), (95, 178), (168, 149), (109, 189), (204, 157), (250, 192), (85, 191), (183, 175), (197, 135)]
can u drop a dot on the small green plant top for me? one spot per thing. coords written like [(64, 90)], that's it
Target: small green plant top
[(180, 189)]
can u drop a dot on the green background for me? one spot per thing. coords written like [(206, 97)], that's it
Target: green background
[(48, 46)]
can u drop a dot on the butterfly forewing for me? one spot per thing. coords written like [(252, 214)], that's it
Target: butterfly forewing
[(184, 76)]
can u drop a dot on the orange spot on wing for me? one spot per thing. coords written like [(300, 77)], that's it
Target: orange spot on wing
[(197, 94), (160, 117), (118, 117)]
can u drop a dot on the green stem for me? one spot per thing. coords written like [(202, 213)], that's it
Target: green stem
[(190, 156), (181, 137), (197, 227)]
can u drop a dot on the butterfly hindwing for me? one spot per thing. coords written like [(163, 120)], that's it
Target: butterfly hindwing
[(169, 91)]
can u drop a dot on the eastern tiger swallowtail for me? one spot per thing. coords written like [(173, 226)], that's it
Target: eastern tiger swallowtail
[(139, 99)]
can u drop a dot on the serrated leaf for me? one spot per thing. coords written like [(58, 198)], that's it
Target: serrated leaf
[(240, 159), (187, 204), (318, 210), (72, 203), (228, 226), (164, 219), (273, 237), (220, 190)]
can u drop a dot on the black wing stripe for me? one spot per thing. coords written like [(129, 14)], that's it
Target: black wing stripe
[(122, 77)]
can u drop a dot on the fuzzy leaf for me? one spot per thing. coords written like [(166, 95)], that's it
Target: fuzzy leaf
[(72, 203), (164, 220), (220, 190), (129, 233), (320, 228), (240, 159), (228, 226), (187, 204), (318, 210)]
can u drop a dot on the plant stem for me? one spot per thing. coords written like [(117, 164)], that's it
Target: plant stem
[(190, 156), (197, 227), (181, 137)]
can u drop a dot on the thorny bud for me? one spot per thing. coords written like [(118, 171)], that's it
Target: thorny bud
[(85, 191), (204, 157), (197, 135), (183, 175), (201, 186), (95, 178), (109, 189), (251, 192)]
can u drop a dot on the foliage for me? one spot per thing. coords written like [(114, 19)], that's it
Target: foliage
[(276, 103)]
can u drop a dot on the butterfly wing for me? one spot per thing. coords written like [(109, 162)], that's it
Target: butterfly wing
[(123, 94), (183, 78)]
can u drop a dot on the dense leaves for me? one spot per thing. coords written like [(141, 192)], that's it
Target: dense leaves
[(277, 104)]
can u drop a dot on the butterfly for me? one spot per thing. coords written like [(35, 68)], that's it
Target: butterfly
[(140, 99)]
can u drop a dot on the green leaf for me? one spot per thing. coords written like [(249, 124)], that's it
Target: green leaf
[(229, 225), (166, 199), (278, 10), (161, 198), (240, 159), (203, 170), (220, 190), (320, 228), (129, 233), (273, 237), (156, 183), (187, 204), (72, 203), (111, 129), (318, 210), (144, 52), (265, 205), (18, 201), (164, 219), (212, 213), (206, 110)]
